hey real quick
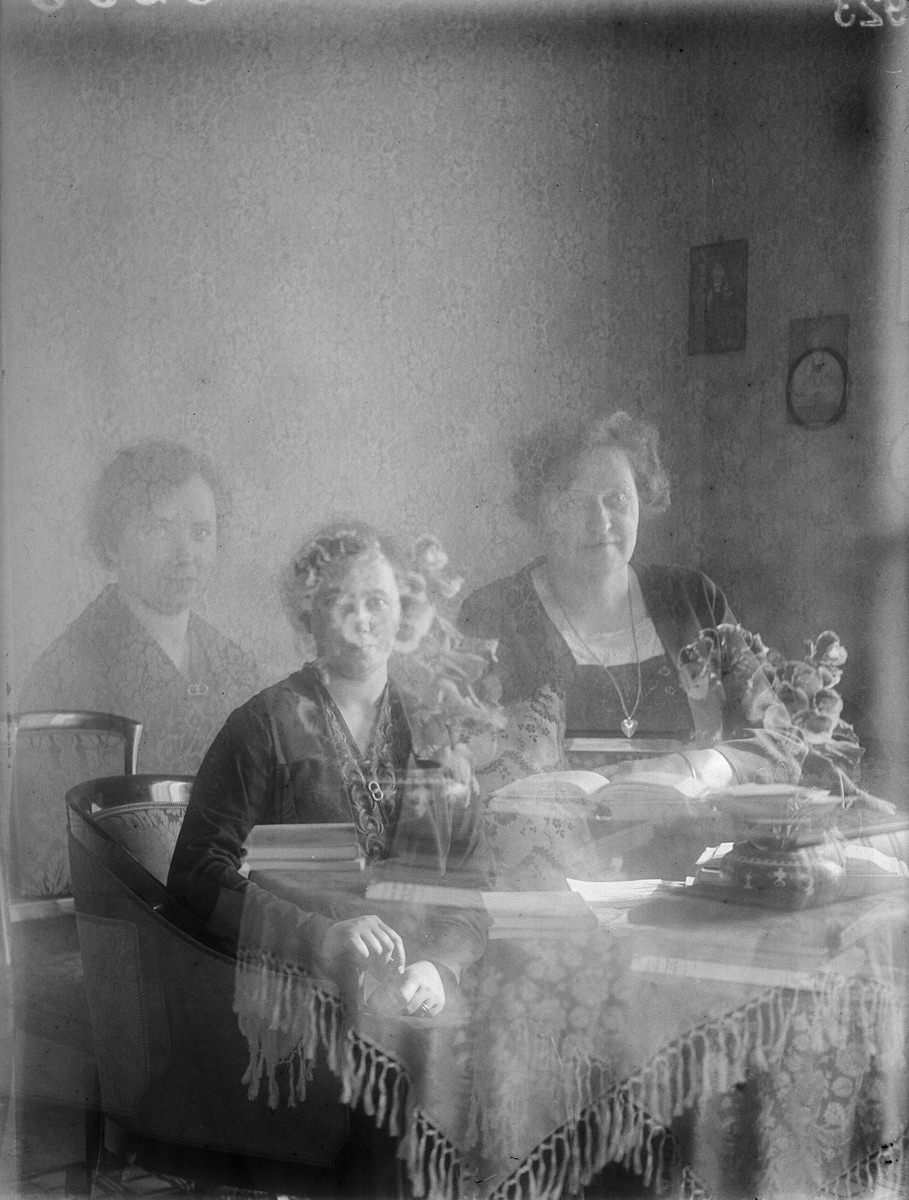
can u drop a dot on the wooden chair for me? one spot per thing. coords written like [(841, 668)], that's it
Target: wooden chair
[(63, 749), (169, 1050), (48, 1031)]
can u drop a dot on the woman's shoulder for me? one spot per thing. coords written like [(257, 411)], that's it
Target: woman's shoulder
[(223, 652), (673, 576), (261, 715), (674, 586), (76, 659), (283, 694), (483, 609)]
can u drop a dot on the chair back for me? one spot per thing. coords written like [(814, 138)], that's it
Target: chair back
[(141, 813), (52, 752), (170, 1054)]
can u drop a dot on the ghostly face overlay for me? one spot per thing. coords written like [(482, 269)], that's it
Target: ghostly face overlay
[(356, 615), (166, 551), (591, 526)]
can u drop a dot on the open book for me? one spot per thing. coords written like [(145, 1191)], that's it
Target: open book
[(619, 817), (611, 807), (555, 788), (655, 786), (649, 796)]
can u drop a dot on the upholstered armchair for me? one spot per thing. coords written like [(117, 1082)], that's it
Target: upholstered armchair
[(168, 1047)]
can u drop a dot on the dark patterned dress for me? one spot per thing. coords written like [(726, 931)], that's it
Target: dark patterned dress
[(106, 661), (532, 654), (286, 757)]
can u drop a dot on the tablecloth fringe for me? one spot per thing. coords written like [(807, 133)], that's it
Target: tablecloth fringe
[(285, 1018), (431, 1161), (373, 1079), (886, 1171), (718, 1054), (616, 1131), (884, 1175), (627, 1124), (379, 1084)]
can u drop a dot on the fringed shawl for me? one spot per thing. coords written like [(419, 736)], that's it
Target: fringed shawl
[(399, 1071), (573, 1052)]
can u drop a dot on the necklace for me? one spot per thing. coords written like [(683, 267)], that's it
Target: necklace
[(368, 776), (630, 724)]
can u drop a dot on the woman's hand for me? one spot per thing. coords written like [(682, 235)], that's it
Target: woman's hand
[(417, 992), (693, 772), (364, 942), (669, 769)]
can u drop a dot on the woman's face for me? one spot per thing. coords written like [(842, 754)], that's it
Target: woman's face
[(591, 527), (166, 552), (355, 617)]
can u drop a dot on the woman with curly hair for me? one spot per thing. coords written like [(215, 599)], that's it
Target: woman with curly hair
[(334, 743), (606, 631)]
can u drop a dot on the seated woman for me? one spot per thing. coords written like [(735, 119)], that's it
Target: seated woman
[(139, 649), (607, 632), (333, 742)]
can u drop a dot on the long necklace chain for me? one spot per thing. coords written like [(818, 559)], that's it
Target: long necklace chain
[(629, 725), (360, 773)]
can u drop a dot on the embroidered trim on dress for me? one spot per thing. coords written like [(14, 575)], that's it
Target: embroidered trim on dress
[(368, 779)]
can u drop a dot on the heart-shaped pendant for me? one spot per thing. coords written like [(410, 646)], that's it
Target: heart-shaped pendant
[(629, 725)]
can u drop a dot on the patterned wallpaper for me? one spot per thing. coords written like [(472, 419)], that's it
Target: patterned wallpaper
[(350, 251)]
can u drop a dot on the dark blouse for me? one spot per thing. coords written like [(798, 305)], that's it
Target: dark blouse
[(275, 762), (106, 661), (681, 602)]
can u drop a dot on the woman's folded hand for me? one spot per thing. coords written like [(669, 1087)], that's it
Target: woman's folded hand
[(418, 991)]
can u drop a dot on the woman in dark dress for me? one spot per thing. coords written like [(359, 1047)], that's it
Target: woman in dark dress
[(334, 742), (606, 631)]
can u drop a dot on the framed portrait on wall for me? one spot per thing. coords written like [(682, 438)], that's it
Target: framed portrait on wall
[(717, 297)]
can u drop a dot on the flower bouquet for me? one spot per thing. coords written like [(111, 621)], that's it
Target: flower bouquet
[(801, 703), (790, 839), (445, 673)]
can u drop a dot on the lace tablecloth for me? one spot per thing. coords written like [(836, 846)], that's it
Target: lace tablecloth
[(723, 1051)]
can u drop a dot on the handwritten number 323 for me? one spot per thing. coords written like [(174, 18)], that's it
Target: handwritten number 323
[(845, 13)]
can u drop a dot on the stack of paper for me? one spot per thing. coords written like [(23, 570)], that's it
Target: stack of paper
[(618, 893), (329, 847), (680, 933), (512, 914), (535, 914)]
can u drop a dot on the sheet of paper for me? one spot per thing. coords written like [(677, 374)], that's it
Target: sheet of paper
[(615, 892)]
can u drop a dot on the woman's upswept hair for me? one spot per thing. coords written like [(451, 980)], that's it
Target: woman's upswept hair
[(324, 551), (134, 479), (546, 459)]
